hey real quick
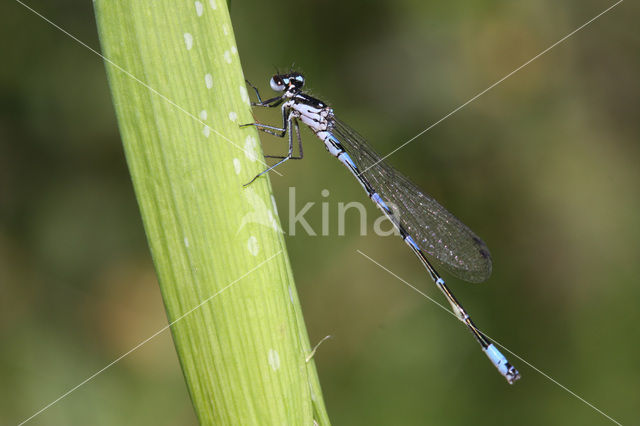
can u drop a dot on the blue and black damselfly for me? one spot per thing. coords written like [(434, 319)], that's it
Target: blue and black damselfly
[(435, 235)]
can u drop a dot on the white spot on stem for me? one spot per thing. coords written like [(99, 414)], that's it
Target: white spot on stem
[(237, 166), (245, 95), (273, 221), (233, 116), (313, 394), (213, 4), (203, 114), (227, 56), (199, 8), (273, 202), (208, 80), (274, 359), (253, 246), (188, 40), (249, 148)]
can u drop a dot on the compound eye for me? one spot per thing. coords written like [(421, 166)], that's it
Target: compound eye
[(276, 84), (300, 79)]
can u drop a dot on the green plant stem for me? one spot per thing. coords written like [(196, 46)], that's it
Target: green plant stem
[(218, 249)]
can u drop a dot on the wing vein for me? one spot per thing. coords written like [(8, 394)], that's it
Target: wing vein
[(437, 232)]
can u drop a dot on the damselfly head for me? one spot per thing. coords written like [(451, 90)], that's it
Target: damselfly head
[(291, 81)]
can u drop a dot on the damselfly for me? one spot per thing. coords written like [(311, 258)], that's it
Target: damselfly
[(435, 235)]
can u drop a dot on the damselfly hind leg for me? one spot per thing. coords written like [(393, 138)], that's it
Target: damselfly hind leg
[(290, 156)]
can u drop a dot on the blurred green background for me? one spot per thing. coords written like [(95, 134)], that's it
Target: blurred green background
[(545, 168)]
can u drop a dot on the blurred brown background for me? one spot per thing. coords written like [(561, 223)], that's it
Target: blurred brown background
[(545, 167)]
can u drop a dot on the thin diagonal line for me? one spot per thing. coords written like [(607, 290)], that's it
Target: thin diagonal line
[(148, 87), (495, 84), (146, 340), (495, 342)]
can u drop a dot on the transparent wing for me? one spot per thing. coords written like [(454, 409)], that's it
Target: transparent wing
[(436, 231)]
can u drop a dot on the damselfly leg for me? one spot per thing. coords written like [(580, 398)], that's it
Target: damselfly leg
[(269, 103), (290, 156), (289, 126)]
